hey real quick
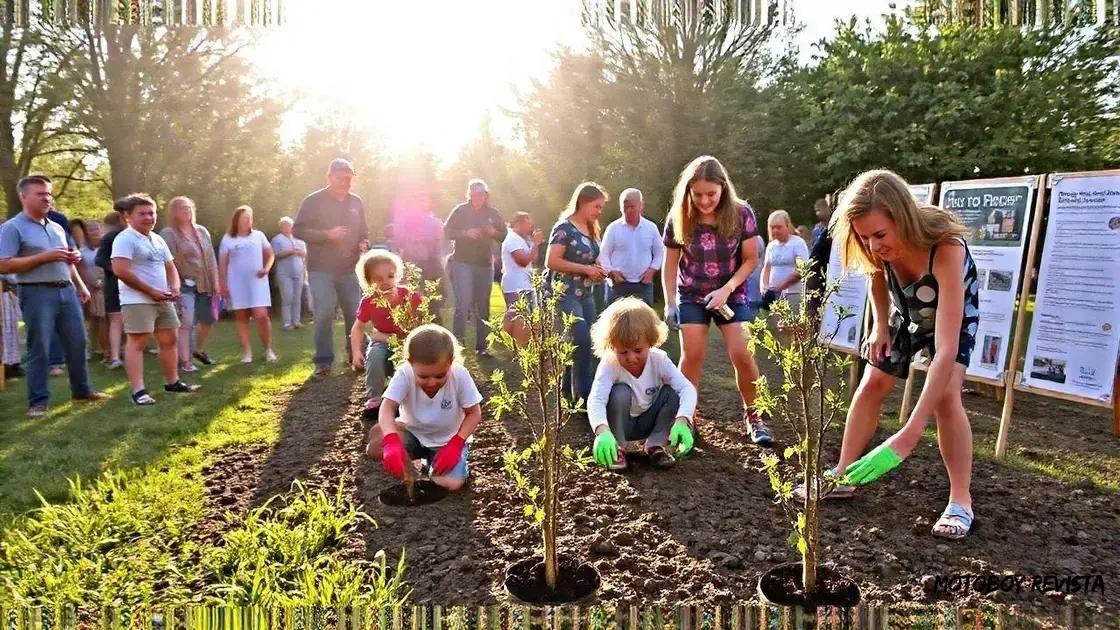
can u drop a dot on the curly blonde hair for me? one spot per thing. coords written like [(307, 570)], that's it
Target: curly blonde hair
[(373, 259), (625, 324)]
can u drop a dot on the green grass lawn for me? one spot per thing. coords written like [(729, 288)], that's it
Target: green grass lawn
[(235, 406)]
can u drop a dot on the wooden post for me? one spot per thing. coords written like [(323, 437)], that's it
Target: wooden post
[(1115, 401), (3, 376), (1011, 371), (907, 393)]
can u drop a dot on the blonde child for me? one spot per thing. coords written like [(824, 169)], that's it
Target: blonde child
[(379, 272), (637, 394), (439, 408)]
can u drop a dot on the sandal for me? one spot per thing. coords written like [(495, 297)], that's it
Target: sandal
[(959, 527), (143, 398), (660, 458), (179, 387)]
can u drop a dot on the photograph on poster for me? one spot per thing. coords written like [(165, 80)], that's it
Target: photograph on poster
[(982, 278), (852, 332), (999, 280), (1049, 369), (989, 352), (994, 215)]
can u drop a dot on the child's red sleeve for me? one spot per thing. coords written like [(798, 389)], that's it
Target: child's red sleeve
[(365, 310)]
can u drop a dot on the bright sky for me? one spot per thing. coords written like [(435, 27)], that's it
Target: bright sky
[(424, 78)]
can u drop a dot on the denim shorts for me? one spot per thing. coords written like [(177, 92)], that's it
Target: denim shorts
[(693, 313), (416, 450)]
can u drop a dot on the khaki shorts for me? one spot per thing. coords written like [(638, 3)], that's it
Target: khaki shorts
[(146, 318)]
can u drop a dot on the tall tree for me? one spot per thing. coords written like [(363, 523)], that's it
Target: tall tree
[(175, 111), (958, 102), (30, 102)]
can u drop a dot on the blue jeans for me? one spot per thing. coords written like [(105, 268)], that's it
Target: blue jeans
[(644, 292), (652, 425), (291, 287), (378, 368), (329, 291), (577, 380), (471, 286), (50, 312)]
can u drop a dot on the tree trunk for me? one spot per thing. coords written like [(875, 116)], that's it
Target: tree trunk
[(813, 483), (550, 513)]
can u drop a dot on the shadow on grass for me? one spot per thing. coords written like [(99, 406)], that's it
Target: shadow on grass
[(86, 439)]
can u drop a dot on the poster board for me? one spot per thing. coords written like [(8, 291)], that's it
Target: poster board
[(1074, 336), (997, 213), (923, 192), (851, 295)]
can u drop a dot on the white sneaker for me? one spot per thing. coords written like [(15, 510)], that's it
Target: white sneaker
[(270, 356), (247, 357)]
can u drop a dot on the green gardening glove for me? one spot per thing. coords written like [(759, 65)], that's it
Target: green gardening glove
[(680, 437), (606, 448), (881, 460)]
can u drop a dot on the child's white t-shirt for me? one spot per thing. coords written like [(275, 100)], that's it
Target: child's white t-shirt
[(434, 421), (659, 371), (515, 278)]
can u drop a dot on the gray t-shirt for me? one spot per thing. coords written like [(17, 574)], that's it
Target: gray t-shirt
[(474, 251), (321, 211), (21, 236), (289, 266)]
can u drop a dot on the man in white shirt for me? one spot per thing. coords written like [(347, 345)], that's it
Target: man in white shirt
[(149, 287), (632, 250)]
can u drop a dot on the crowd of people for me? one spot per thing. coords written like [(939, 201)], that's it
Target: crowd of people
[(714, 268)]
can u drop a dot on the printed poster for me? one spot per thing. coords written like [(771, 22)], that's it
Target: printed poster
[(1075, 333), (851, 295), (998, 214), (922, 192)]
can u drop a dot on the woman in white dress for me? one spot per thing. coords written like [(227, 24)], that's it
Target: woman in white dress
[(244, 260)]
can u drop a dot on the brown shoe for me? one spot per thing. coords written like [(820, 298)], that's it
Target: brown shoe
[(92, 397), (322, 370), (660, 458)]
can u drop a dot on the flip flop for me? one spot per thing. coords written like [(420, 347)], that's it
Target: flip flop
[(957, 529)]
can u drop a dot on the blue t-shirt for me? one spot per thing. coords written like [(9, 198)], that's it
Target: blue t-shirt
[(21, 236)]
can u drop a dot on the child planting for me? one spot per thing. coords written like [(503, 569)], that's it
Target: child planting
[(637, 394), (380, 274), (438, 406)]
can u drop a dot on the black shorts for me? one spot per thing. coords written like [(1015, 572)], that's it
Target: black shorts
[(906, 343), (112, 296)]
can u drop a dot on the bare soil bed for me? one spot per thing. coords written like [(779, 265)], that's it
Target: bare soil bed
[(703, 532)]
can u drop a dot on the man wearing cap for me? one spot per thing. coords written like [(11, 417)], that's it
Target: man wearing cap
[(332, 221), (474, 227), (36, 251)]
